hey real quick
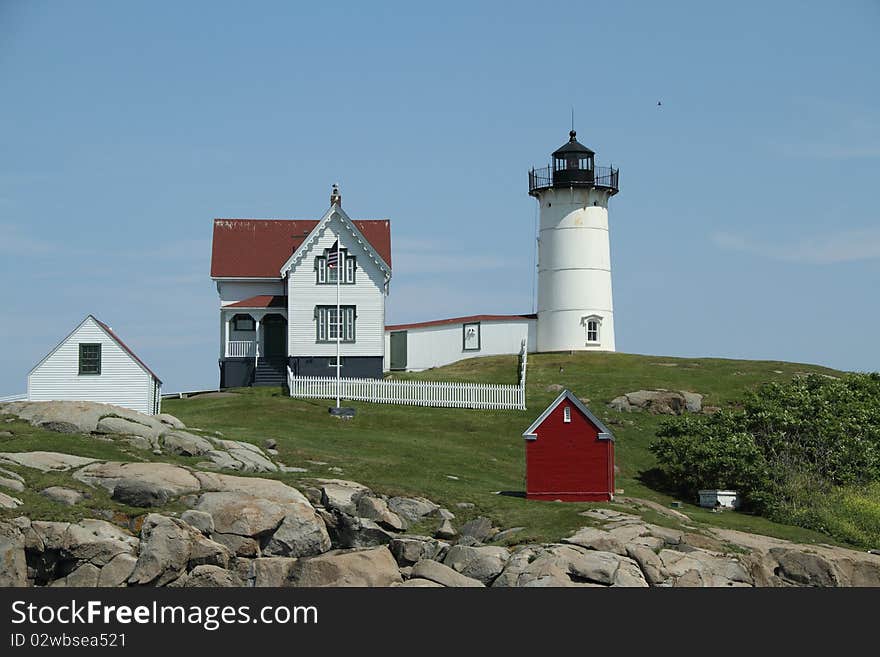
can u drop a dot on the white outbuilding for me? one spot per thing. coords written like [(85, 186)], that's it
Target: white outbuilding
[(93, 364)]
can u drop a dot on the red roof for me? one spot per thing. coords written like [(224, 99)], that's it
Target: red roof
[(258, 248), (461, 320), (125, 347), (260, 301)]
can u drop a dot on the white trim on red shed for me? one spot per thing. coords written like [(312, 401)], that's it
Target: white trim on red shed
[(604, 432)]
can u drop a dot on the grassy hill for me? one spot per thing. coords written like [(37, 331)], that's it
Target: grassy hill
[(453, 455)]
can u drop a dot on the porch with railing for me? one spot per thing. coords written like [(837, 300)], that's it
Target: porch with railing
[(241, 349)]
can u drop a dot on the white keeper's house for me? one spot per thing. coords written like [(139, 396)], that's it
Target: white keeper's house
[(278, 297), (93, 364)]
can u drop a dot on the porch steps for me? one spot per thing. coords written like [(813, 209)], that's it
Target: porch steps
[(271, 372)]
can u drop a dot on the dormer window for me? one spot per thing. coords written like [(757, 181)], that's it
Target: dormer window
[(592, 325), (327, 275)]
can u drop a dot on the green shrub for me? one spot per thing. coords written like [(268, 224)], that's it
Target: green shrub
[(804, 452)]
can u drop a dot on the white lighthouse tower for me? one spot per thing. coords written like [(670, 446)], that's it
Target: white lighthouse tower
[(575, 310)]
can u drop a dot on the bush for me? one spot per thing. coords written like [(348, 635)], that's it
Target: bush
[(796, 452)]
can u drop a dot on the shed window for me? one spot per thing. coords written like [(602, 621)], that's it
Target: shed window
[(89, 358), (566, 414)]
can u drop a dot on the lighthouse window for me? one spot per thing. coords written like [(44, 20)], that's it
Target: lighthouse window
[(592, 324)]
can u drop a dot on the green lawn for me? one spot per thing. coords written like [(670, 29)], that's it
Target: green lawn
[(412, 450), (417, 451)]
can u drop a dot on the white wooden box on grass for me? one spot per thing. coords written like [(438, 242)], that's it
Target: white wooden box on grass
[(724, 499)]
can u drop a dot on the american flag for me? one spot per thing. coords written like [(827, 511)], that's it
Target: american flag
[(333, 255)]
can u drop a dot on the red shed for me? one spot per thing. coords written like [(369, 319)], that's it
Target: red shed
[(569, 454)]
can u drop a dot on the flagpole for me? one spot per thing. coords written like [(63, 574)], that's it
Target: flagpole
[(339, 269)]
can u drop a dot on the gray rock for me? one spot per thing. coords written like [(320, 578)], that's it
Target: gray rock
[(649, 562), (596, 539), (342, 495), (213, 577), (135, 492), (222, 460), (481, 563), (172, 480), (45, 461), (267, 489), (117, 571), (124, 427), (376, 509), (245, 515), (86, 575), (75, 416), (412, 509), (804, 568), (62, 495), (270, 571), (270, 443), (301, 533), (371, 567), (465, 505), (252, 461), (408, 550), (446, 530), (621, 404), (9, 502), (14, 484), (418, 582), (693, 401), (170, 420), (184, 443), (239, 546), (502, 536), (437, 572), (480, 528), (351, 532), (168, 547), (13, 564), (201, 520)]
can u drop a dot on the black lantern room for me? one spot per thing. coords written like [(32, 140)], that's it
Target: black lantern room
[(573, 165)]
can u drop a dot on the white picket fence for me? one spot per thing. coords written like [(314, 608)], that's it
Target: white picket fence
[(417, 393), (411, 393)]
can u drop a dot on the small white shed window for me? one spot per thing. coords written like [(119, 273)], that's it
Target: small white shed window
[(566, 414)]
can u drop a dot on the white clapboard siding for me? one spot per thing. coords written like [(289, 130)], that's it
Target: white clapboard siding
[(123, 381), (411, 393), (367, 294)]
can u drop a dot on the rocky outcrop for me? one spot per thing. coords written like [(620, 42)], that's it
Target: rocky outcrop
[(169, 547), (370, 567), (147, 432), (659, 402)]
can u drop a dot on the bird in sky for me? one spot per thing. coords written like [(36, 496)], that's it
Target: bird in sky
[(659, 103)]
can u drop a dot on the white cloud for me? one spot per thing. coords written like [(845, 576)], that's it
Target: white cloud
[(845, 246)]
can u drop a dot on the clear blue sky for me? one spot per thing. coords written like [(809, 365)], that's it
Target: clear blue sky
[(747, 224)]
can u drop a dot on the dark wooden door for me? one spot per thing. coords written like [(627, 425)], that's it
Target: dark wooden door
[(274, 337), (398, 350)]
